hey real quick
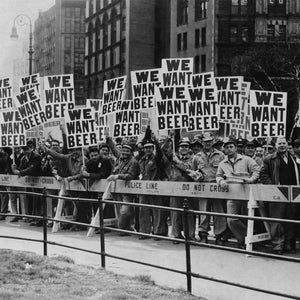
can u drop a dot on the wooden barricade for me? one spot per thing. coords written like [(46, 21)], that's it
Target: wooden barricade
[(254, 194)]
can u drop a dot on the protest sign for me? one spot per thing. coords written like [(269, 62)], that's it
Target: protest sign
[(113, 94), (101, 121), (172, 107), (241, 128), (203, 79), (229, 97), (203, 106), (80, 128), (29, 82), (6, 101), (12, 133), (126, 122), (268, 113), (58, 95), (31, 111), (176, 71), (143, 88)]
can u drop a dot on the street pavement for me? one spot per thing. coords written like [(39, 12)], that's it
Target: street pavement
[(264, 273)]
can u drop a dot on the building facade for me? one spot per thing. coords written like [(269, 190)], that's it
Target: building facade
[(123, 36), (59, 43), (242, 24), (193, 32)]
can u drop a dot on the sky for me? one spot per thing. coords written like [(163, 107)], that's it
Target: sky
[(9, 9)]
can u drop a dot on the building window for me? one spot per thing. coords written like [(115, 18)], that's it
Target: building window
[(282, 33), (197, 38), (233, 34), (90, 38), (68, 12), (67, 58), (270, 32), (113, 26), (184, 41), (179, 42), (77, 11), (197, 64), (67, 69), (97, 35), (91, 7), (105, 31), (203, 63), (203, 36), (245, 34), (77, 26), (67, 42), (182, 12), (67, 25), (200, 9), (239, 7)]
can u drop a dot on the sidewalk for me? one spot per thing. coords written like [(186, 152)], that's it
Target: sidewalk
[(262, 273)]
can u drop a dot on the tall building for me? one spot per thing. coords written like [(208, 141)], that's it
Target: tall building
[(123, 36), (244, 24), (59, 38), (193, 32)]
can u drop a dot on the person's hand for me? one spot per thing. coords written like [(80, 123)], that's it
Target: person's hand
[(16, 172), (14, 166), (43, 147), (247, 180), (58, 178), (223, 184), (106, 131), (112, 178), (70, 178), (85, 173), (172, 133)]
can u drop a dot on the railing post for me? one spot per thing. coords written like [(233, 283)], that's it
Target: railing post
[(44, 205), (101, 223), (187, 244)]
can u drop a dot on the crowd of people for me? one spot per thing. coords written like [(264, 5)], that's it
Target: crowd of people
[(205, 158)]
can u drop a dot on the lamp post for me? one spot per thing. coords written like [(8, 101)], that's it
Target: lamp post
[(22, 20)]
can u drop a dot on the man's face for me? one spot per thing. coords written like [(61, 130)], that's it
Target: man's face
[(94, 155), (126, 152), (207, 145), (259, 152), (297, 149), (249, 150), (269, 149), (281, 145), (104, 151), (196, 148), (149, 150), (231, 149), (76, 153), (55, 146), (184, 149), (119, 147)]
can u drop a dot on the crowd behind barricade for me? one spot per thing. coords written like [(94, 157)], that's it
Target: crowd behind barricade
[(205, 158)]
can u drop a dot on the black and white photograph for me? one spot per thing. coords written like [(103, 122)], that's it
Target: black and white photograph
[(149, 149)]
